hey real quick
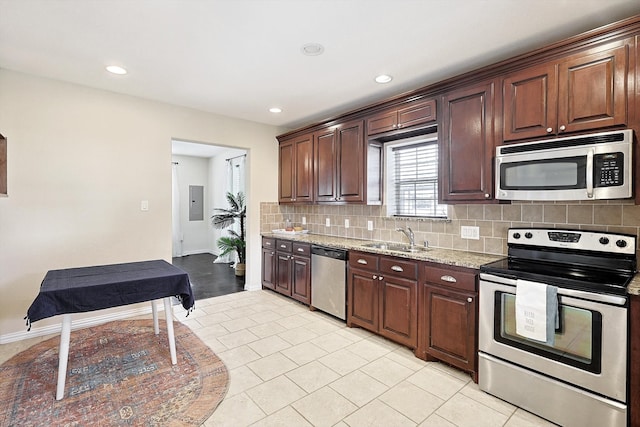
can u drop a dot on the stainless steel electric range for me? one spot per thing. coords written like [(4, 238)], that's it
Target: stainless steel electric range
[(578, 377)]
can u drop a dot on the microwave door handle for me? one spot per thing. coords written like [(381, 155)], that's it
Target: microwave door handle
[(590, 174)]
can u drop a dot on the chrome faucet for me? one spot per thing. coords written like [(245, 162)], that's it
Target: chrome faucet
[(409, 233)]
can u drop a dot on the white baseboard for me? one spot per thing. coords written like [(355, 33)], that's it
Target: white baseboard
[(78, 324), (198, 251)]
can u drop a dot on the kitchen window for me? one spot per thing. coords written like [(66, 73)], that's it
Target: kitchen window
[(412, 178)]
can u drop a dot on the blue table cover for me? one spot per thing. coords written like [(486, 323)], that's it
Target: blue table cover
[(78, 290)]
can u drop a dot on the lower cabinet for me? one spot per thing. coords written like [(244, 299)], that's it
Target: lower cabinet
[(382, 296), (448, 305), (286, 268)]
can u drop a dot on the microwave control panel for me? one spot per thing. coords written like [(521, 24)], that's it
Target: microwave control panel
[(608, 170)]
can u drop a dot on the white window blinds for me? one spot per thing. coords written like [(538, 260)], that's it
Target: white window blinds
[(415, 180)]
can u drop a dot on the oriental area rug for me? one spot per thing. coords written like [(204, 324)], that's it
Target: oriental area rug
[(119, 374)]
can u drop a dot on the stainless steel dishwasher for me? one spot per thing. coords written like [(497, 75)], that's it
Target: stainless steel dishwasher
[(328, 280)]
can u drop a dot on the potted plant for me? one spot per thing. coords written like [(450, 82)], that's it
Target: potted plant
[(235, 242)]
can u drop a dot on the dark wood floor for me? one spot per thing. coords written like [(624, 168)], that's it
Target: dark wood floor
[(209, 279)]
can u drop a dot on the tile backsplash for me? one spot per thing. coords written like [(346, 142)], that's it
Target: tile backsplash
[(492, 220)]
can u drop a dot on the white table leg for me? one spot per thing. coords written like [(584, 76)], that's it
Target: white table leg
[(154, 310), (63, 355), (168, 314)]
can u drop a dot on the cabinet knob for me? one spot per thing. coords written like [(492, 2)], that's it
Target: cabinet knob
[(273, 253), (562, 128), (469, 299), (399, 125), (487, 195), (549, 130), (375, 276), (380, 278)]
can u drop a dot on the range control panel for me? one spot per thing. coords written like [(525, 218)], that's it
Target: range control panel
[(608, 169), (581, 240)]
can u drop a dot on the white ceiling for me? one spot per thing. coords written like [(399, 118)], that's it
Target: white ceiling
[(238, 58)]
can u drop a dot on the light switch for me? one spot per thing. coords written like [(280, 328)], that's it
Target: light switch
[(327, 222), (346, 223), (304, 220), (370, 225), (144, 205)]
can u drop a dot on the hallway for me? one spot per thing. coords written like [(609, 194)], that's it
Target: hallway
[(209, 279)]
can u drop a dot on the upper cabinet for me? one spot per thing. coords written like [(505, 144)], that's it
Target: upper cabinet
[(346, 168), (579, 92), (467, 143), (411, 114), (295, 184)]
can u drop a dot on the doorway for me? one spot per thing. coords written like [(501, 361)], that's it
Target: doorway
[(202, 174)]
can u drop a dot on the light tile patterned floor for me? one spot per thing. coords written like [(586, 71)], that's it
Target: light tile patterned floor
[(293, 367)]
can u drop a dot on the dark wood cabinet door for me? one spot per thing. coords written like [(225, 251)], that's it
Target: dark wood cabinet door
[(450, 325), (268, 268), (286, 173), (301, 279), (325, 165), (398, 310), (382, 122), (303, 181), (283, 273), (350, 177), (530, 102), (362, 297), (592, 90), (417, 113), (467, 144)]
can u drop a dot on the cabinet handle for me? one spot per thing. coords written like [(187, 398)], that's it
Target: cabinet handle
[(375, 276), (283, 246), (549, 130), (469, 299), (362, 261), (300, 250), (562, 128), (397, 268), (448, 278)]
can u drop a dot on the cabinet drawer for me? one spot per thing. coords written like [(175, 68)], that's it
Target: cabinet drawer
[(441, 275), (302, 249), (268, 243), (399, 267), (283, 245), (363, 261)]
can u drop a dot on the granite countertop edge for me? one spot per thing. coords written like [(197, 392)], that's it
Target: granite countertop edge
[(458, 258)]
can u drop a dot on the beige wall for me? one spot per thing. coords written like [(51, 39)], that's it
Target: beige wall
[(493, 221), (79, 163)]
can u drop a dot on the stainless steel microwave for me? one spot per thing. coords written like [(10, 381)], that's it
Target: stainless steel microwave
[(585, 167)]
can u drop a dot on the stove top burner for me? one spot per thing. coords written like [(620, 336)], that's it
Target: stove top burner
[(591, 261), (567, 276)]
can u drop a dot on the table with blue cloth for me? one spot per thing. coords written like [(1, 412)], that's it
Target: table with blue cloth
[(79, 290)]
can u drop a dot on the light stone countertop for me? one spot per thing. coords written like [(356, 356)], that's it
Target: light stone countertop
[(443, 256)]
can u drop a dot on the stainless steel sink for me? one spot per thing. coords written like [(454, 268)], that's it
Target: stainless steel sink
[(396, 247)]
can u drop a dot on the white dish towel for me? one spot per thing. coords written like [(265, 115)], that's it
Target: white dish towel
[(536, 311)]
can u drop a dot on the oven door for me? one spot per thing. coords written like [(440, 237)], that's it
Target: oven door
[(590, 347)]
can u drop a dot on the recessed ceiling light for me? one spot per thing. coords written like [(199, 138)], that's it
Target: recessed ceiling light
[(275, 110), (312, 49), (116, 69), (383, 78)]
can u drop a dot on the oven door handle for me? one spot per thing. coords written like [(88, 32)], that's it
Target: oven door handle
[(589, 296), (590, 173)]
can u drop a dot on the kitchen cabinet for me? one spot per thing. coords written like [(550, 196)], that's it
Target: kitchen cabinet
[(382, 296), (410, 114), (295, 177), (347, 168), (467, 144), (580, 92), (447, 323), (268, 263), (3, 165), (286, 268), (634, 361)]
